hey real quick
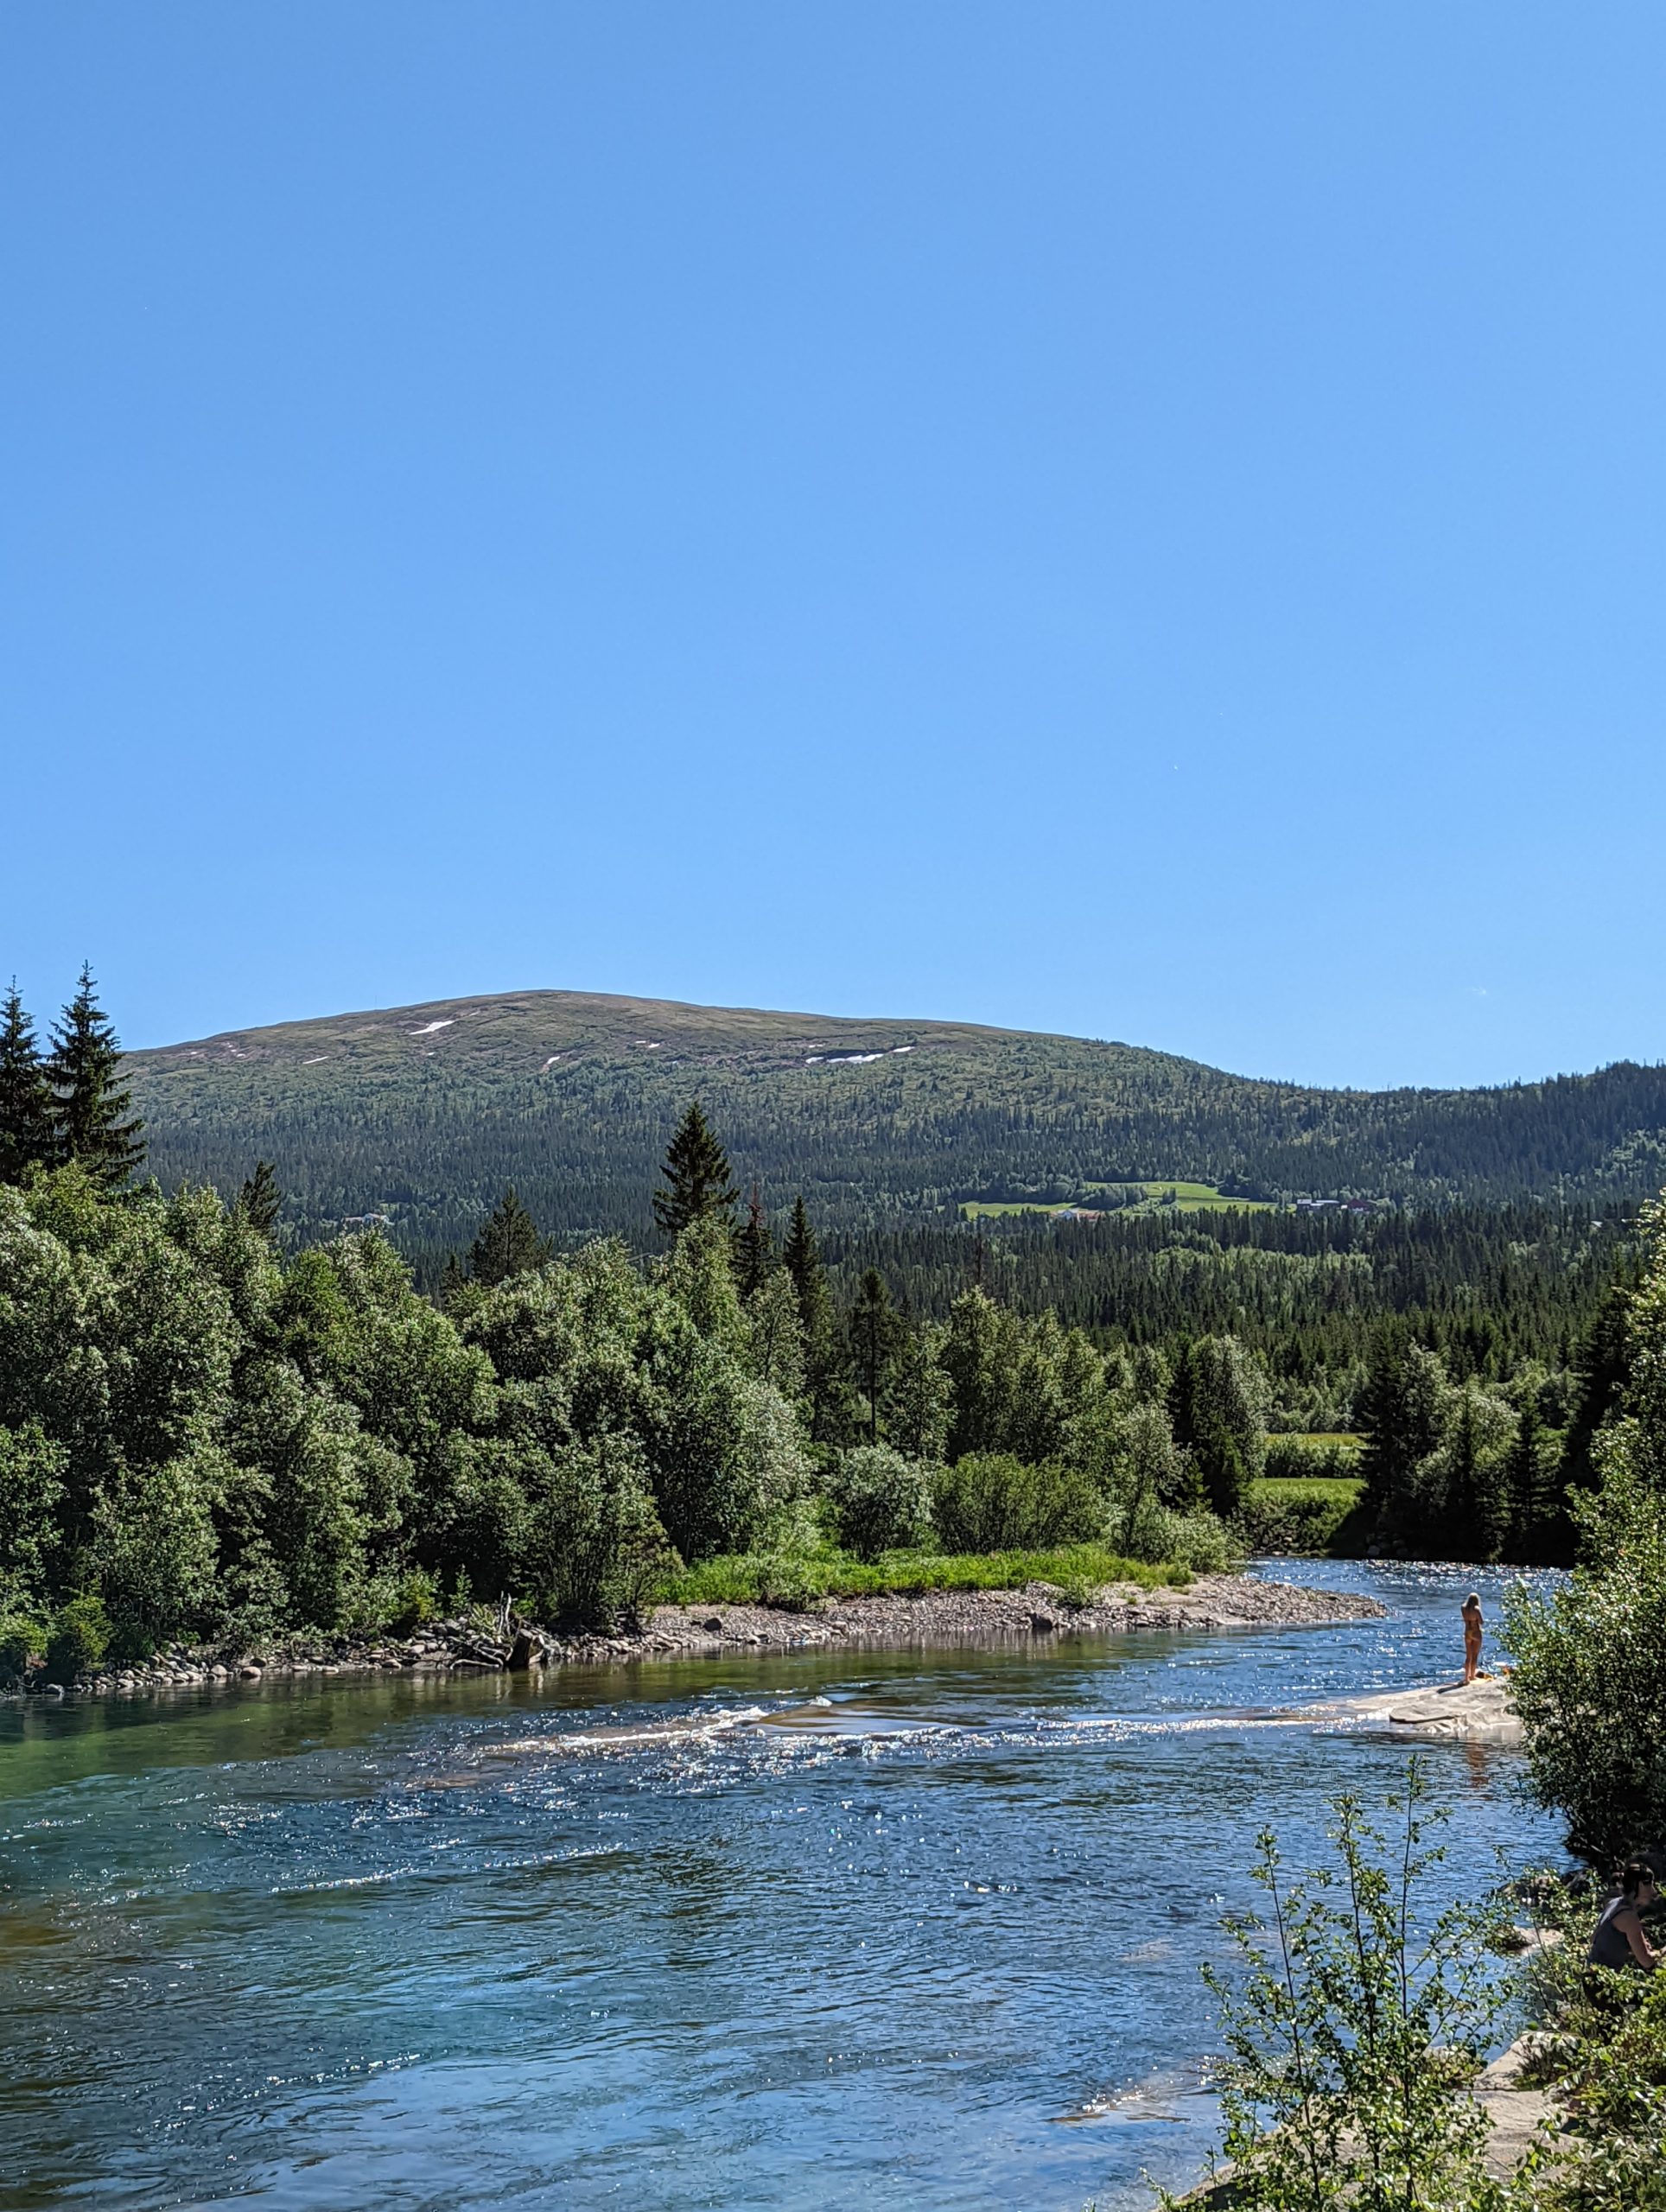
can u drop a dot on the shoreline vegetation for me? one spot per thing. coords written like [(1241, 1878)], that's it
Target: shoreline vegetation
[(985, 1603)]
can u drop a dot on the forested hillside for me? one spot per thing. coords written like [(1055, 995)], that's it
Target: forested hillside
[(1486, 1286), (424, 1113)]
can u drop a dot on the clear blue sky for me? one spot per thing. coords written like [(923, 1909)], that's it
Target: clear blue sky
[(1144, 520)]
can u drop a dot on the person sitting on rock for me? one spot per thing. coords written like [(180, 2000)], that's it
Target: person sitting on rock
[(1474, 1627), (1618, 1940)]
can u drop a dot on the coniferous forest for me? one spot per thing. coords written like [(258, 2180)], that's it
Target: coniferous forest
[(214, 1427)]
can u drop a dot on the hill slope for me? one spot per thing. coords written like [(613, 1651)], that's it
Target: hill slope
[(425, 1112)]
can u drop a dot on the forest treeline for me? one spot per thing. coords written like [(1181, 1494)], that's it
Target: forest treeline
[(428, 1116), (206, 1433), (1489, 1287), (203, 1439)]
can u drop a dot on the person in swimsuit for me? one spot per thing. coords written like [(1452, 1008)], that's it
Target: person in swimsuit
[(1474, 1626), (1618, 1939)]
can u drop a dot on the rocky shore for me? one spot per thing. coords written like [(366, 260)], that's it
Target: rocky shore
[(1477, 1711), (1213, 1602)]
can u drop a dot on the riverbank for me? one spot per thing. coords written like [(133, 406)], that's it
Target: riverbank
[(894, 1621)]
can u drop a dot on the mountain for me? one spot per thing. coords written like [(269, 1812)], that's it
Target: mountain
[(424, 1112)]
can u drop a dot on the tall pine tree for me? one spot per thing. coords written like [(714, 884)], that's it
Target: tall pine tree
[(802, 1259), (92, 1107), (1604, 1368), (754, 1249), (26, 1130), (1533, 1501), (508, 1244), (259, 1199), (874, 1327), (696, 1172), (825, 1377)]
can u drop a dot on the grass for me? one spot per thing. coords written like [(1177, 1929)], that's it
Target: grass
[(1187, 1197), (797, 1580), (1343, 1491)]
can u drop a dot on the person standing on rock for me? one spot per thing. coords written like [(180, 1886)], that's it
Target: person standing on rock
[(1474, 1629)]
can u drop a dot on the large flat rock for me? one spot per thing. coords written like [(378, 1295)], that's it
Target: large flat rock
[(1479, 1711)]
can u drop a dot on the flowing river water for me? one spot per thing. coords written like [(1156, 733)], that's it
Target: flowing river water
[(891, 1929)]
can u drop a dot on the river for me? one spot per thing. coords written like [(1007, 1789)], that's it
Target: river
[(869, 1930)]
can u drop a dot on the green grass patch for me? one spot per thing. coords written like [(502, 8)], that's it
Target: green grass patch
[(1343, 1491), (1175, 1197), (755, 1579), (991, 1208)]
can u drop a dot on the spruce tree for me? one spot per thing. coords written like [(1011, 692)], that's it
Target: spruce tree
[(1531, 1503), (26, 1131), (1402, 1410), (508, 1244), (1465, 1501), (259, 1199), (801, 1257), (825, 1380), (754, 1249), (92, 1115), (697, 1171), (872, 1327), (1603, 1367)]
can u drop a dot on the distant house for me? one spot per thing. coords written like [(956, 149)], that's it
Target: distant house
[(367, 1221)]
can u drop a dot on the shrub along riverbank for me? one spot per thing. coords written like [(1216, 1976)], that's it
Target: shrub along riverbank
[(1358, 2022)]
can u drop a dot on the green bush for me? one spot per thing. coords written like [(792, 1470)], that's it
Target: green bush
[(1196, 1541), (20, 1639), (1351, 2020), (598, 1542), (78, 1639), (1300, 1518), (992, 1501), (1590, 1680), (415, 1602), (882, 1503)]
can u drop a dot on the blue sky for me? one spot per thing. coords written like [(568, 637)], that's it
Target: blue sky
[(1143, 521)]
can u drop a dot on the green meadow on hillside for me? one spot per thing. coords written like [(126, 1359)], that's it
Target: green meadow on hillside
[(1174, 1196)]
